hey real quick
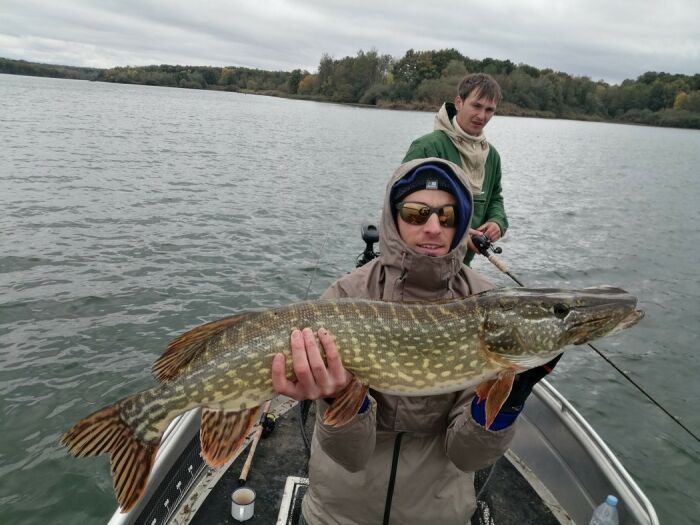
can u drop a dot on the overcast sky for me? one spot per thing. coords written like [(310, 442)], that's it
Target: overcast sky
[(602, 39)]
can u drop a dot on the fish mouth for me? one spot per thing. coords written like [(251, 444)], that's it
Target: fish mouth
[(597, 326), (630, 319), (600, 321)]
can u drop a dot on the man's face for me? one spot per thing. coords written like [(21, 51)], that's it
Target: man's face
[(474, 112), (430, 238)]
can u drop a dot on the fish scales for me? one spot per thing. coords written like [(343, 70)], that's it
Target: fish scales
[(397, 348), (383, 344), (388, 345), (393, 347)]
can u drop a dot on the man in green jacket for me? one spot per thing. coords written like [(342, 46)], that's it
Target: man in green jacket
[(459, 138)]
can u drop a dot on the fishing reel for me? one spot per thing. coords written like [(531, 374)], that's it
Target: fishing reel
[(488, 250), (370, 234), (484, 244)]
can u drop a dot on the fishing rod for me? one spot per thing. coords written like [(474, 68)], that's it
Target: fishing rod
[(488, 250), (266, 425), (304, 406), (370, 235), (483, 244)]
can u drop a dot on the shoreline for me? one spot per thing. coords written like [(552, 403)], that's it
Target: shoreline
[(505, 110)]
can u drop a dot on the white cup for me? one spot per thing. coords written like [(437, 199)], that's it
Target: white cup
[(242, 504)]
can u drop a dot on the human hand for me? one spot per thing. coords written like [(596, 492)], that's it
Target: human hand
[(314, 378), (471, 233), (491, 230), (525, 382)]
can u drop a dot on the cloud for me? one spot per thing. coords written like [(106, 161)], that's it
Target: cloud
[(611, 40)]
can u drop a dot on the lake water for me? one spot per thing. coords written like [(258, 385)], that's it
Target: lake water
[(129, 214)]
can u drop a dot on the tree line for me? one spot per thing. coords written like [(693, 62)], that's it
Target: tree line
[(423, 80)]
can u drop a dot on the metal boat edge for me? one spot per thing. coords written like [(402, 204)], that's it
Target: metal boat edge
[(572, 461), (555, 449)]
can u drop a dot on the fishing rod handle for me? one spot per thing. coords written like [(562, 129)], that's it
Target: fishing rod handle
[(498, 263), (254, 444), (249, 460)]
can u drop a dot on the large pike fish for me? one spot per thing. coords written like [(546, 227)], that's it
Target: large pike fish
[(412, 349)]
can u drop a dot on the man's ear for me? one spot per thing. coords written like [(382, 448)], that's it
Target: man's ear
[(458, 103)]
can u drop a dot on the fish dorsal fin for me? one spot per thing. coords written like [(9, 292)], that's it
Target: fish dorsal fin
[(222, 433), (346, 404), (185, 348)]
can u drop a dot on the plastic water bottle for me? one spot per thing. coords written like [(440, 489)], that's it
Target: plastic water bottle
[(605, 513)]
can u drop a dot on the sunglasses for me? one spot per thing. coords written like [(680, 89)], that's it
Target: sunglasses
[(418, 213)]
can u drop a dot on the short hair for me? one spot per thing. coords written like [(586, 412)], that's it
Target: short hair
[(484, 85)]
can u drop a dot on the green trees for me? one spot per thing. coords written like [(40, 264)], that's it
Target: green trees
[(437, 90), (22, 67), (414, 68), (350, 78), (687, 101), (425, 79), (293, 81)]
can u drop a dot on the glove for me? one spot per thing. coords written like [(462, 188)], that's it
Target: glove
[(524, 383)]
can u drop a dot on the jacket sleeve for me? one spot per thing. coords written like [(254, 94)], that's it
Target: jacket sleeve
[(468, 444), (352, 444), (420, 149), (496, 211), (334, 291)]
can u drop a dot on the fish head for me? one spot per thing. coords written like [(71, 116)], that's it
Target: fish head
[(528, 325)]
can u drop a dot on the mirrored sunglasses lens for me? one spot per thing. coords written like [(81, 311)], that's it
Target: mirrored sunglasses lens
[(417, 213), (414, 213), (447, 216)]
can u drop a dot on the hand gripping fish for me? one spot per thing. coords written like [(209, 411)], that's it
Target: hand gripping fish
[(406, 349)]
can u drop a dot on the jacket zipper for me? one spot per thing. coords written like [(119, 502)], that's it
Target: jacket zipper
[(392, 478)]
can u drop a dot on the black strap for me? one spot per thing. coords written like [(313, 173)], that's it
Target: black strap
[(392, 478)]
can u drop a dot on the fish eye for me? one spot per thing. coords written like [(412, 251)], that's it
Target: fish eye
[(560, 310)]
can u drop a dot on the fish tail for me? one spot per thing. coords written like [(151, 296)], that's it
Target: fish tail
[(131, 458)]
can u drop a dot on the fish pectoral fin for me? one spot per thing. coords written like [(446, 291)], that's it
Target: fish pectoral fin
[(131, 458), (497, 395), (482, 391), (222, 433), (346, 404), (186, 347)]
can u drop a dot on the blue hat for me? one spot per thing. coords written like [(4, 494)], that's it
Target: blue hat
[(431, 176)]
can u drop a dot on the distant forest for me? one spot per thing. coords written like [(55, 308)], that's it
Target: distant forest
[(424, 80)]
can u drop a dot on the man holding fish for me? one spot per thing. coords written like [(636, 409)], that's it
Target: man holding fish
[(412, 326), (400, 459)]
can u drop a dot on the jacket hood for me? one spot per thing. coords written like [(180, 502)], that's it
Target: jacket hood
[(421, 272), (443, 119)]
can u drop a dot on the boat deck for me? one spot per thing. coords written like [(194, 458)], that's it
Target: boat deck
[(509, 497), (555, 471)]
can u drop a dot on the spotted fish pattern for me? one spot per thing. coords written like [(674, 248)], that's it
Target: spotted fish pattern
[(405, 349)]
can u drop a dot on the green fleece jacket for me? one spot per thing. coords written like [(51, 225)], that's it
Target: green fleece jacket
[(488, 205)]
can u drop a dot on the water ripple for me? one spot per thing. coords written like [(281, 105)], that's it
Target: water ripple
[(123, 227)]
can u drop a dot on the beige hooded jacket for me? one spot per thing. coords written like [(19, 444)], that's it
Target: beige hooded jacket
[(440, 445)]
